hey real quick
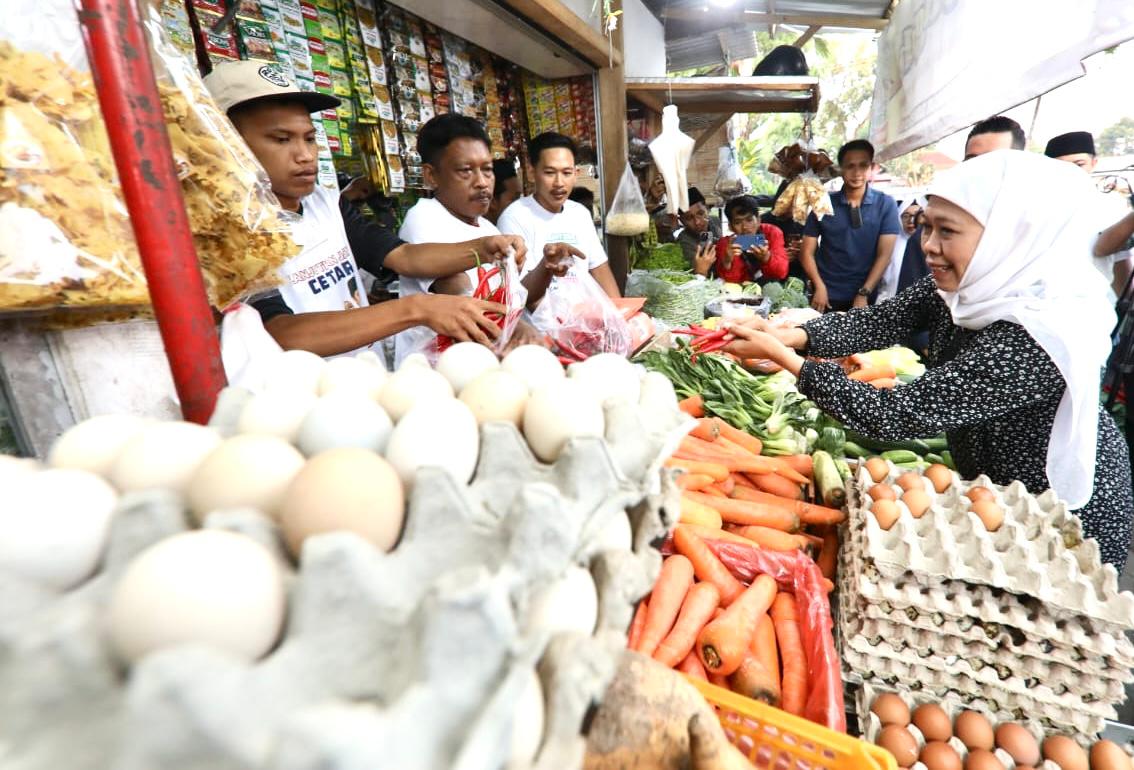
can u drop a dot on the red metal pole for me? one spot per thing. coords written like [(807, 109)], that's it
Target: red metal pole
[(131, 107)]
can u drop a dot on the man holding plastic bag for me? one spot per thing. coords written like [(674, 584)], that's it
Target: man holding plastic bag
[(274, 117), (549, 217)]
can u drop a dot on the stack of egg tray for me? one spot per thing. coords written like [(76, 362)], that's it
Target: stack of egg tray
[(1023, 623)]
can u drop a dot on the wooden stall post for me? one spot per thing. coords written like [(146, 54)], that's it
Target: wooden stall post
[(612, 128)]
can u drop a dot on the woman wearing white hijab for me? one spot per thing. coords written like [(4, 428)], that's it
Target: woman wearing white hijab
[(1019, 334)]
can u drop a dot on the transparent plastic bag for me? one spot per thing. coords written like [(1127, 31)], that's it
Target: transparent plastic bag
[(580, 319), (731, 180), (628, 215), (65, 235), (671, 303)]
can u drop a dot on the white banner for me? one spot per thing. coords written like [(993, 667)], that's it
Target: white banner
[(946, 64)]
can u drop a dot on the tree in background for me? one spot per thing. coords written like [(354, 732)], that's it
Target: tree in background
[(1117, 139), (911, 168)]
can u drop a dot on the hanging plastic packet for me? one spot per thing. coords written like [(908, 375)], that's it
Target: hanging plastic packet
[(731, 180), (628, 215)]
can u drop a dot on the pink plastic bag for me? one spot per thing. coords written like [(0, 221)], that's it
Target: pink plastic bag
[(580, 320)]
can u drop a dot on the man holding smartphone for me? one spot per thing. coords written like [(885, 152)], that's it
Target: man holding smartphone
[(755, 251), (700, 231)]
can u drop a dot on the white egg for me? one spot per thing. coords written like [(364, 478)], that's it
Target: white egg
[(609, 376), (527, 724), (410, 386), (351, 490), (558, 412), (657, 393), (535, 365), (464, 362), (294, 370), (12, 468), (278, 412), (344, 418), (54, 525), (250, 471), (163, 455), (354, 374), (496, 396), (206, 586), (415, 359), (94, 444), (372, 358), (441, 434), (567, 604)]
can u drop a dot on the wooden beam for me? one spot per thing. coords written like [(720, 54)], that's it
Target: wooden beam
[(649, 100), (771, 12), (612, 129), (665, 85), (757, 18), (807, 35), (563, 24), (711, 130)]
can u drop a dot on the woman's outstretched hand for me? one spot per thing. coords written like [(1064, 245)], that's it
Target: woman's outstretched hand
[(751, 342)]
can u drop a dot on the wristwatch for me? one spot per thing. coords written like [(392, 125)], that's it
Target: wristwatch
[(864, 292)]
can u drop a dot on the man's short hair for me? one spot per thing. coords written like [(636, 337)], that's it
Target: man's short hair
[(445, 129), (998, 124), (741, 206), (549, 140), (856, 145), (504, 169)]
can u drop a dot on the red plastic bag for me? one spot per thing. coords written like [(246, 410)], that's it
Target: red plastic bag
[(800, 575)]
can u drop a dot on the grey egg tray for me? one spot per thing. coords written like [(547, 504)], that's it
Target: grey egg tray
[(412, 660)]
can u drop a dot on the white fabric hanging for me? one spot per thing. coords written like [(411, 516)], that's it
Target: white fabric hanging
[(1033, 267), (889, 284), (672, 151)]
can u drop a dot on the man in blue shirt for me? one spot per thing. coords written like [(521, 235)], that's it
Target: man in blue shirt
[(854, 244)]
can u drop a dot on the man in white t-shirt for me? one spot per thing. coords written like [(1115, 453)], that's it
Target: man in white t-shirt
[(274, 118), (1116, 222), (547, 216)]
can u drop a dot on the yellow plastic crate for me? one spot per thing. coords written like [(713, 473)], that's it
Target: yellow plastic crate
[(777, 740)]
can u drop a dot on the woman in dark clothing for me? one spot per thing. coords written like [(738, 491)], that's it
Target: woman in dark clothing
[(1018, 329)]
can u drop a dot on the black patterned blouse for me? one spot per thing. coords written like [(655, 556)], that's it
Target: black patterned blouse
[(993, 391)]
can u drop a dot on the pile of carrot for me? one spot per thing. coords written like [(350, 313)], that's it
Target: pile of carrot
[(702, 621)]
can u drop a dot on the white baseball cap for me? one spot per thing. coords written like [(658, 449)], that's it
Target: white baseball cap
[(237, 82)]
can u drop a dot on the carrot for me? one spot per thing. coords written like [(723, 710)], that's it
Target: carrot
[(733, 447), (691, 666), (694, 481), (724, 642), (868, 373), (673, 583), (716, 470), (764, 644), (742, 481), (829, 553), (884, 383), (777, 485), (808, 513), (801, 464), (706, 566), (636, 625), (717, 679), (706, 430), (726, 486), (695, 446), (743, 512), (694, 406), (770, 539), (785, 617), (746, 440), (753, 680), (693, 512), (715, 533), (713, 491), (696, 611)]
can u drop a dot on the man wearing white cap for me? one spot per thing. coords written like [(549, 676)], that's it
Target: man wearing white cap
[(274, 117)]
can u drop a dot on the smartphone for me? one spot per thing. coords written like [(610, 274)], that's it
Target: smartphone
[(706, 237), (746, 242)]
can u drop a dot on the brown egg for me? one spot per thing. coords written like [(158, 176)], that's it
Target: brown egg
[(939, 476), (1019, 743), (878, 469), (882, 492), (982, 759), (1064, 752), (933, 722), (1108, 755), (974, 731), (911, 480), (886, 512), (891, 709), (990, 514), (980, 493), (940, 756), (917, 501), (899, 742)]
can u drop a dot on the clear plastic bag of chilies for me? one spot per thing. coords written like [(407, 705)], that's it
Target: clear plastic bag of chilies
[(628, 215), (580, 320)]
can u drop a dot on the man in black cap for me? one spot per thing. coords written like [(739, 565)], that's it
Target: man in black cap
[(700, 233), (1116, 224)]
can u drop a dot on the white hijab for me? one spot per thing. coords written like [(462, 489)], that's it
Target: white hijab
[(1033, 267)]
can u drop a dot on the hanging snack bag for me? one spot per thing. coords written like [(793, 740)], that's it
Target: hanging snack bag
[(627, 215)]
